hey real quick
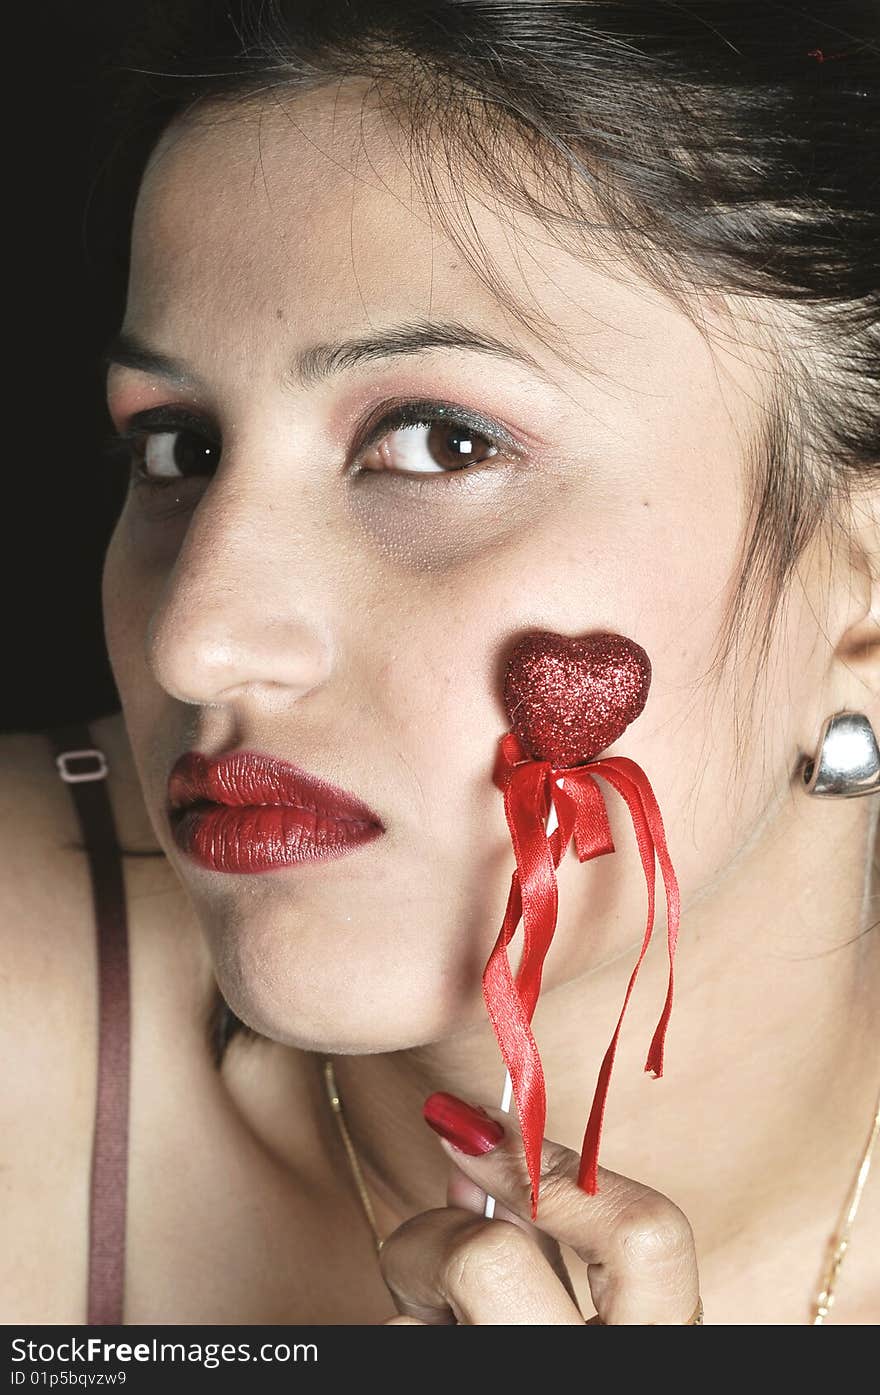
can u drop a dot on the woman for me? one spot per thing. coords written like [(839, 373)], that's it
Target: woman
[(447, 323)]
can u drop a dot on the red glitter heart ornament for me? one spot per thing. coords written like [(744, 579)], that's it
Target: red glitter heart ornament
[(568, 699)]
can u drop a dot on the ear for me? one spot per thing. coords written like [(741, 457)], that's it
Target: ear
[(847, 600), (856, 660)]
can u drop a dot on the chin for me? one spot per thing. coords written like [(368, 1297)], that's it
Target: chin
[(337, 1026), (316, 994)]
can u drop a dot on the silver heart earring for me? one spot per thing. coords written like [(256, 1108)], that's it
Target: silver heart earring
[(848, 758)]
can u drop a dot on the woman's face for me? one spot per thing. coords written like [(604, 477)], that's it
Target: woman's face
[(348, 608)]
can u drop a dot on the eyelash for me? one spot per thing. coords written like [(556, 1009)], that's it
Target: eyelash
[(120, 446)]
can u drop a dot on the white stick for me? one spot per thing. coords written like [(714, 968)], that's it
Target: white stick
[(489, 1210)]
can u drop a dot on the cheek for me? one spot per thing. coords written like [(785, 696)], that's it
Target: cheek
[(571, 567), (438, 684), (631, 570)]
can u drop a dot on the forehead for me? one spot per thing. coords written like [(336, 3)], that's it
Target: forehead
[(277, 188), (311, 209)]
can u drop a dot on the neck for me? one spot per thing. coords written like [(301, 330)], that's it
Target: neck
[(758, 1123)]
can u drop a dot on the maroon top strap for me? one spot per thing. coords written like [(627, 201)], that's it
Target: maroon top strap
[(84, 769)]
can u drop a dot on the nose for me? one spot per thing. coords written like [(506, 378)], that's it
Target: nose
[(244, 607)]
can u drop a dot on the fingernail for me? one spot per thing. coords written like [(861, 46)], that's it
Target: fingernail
[(466, 1126)]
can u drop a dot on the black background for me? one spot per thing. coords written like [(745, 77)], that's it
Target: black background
[(66, 281)]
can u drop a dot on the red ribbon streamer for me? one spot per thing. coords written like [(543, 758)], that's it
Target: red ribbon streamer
[(529, 786)]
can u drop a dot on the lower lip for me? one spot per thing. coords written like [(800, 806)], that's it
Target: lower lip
[(232, 838)]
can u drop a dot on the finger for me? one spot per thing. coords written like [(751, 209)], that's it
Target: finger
[(461, 1191), (638, 1245), (403, 1318), (448, 1265)]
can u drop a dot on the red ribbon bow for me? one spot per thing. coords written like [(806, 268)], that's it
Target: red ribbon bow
[(529, 786)]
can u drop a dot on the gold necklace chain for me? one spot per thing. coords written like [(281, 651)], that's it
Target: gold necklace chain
[(837, 1251), (336, 1106), (840, 1243)]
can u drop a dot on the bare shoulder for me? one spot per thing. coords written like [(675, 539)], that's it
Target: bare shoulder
[(48, 963), (47, 1007), (45, 885), (48, 1010), (41, 931)]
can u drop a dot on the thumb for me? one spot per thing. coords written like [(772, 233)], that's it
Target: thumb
[(462, 1191)]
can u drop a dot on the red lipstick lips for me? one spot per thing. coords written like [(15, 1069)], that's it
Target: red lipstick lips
[(248, 812)]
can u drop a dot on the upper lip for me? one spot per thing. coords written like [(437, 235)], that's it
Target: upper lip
[(249, 778)]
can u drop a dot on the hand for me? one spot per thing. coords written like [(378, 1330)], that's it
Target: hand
[(449, 1265)]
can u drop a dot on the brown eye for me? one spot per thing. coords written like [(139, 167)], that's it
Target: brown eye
[(176, 455), (429, 445)]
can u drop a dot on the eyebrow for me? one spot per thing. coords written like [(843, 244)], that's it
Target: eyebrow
[(128, 350), (322, 361), (413, 337)]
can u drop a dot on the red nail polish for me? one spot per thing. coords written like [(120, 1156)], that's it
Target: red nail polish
[(467, 1126)]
